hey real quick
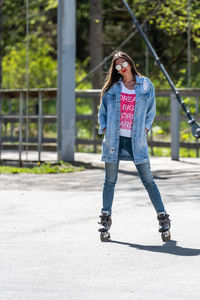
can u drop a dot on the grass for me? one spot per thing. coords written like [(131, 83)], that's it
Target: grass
[(43, 168), (161, 151)]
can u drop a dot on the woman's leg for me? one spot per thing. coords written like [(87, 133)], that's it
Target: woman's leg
[(150, 185), (111, 174)]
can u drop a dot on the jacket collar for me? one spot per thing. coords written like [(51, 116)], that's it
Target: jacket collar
[(139, 79)]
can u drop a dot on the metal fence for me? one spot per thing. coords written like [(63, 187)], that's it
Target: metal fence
[(32, 125)]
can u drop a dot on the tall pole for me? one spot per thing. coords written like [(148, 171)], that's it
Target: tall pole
[(146, 56), (1, 55), (27, 75), (189, 46), (96, 41), (66, 80)]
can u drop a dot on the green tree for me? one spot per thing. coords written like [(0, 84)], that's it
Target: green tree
[(42, 67)]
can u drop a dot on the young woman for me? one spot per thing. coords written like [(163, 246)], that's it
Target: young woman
[(126, 114)]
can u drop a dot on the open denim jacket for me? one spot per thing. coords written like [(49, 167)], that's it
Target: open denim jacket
[(109, 118)]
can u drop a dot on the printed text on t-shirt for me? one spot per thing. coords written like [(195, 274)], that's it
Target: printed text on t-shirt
[(127, 108)]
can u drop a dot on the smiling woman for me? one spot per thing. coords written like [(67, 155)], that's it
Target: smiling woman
[(125, 116)]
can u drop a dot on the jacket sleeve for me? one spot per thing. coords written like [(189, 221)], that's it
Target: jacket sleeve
[(151, 111), (102, 115)]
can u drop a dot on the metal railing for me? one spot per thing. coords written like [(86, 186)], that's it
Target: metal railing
[(14, 117)]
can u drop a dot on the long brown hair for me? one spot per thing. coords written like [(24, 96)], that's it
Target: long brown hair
[(113, 75)]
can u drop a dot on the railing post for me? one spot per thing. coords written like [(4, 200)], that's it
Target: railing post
[(197, 112), (11, 113), (197, 105), (20, 126), (39, 126), (151, 139), (94, 113), (175, 128)]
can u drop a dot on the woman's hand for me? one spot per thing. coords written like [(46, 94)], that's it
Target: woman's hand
[(146, 130), (104, 131)]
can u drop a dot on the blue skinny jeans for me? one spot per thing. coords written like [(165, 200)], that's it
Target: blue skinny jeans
[(144, 171)]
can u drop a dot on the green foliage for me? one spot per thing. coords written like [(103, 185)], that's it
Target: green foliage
[(168, 19), (42, 22), (81, 72), (47, 168), (160, 151), (52, 4), (42, 67)]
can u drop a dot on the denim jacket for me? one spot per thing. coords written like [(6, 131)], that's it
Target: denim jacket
[(109, 118)]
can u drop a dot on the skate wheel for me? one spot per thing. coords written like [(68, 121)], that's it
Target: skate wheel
[(104, 236), (166, 236)]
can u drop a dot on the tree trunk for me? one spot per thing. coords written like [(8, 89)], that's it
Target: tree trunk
[(1, 3), (96, 38)]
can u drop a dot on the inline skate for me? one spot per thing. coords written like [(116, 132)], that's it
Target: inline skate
[(106, 222), (164, 223)]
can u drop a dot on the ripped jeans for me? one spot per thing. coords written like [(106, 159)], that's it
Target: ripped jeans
[(144, 171)]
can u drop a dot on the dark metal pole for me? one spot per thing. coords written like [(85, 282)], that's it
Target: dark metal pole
[(194, 125)]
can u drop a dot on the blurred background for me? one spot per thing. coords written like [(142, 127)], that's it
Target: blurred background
[(28, 67)]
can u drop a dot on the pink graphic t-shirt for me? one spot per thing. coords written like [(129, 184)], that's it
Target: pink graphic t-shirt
[(127, 108)]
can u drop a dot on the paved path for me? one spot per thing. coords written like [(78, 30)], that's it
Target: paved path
[(50, 247)]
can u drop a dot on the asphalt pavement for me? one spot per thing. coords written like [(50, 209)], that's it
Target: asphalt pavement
[(50, 247)]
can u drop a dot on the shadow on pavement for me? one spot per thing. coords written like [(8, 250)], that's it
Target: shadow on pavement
[(169, 248), (125, 172)]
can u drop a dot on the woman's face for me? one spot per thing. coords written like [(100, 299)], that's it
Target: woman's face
[(122, 66)]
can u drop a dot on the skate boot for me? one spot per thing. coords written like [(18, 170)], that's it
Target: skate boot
[(105, 221), (164, 223)]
